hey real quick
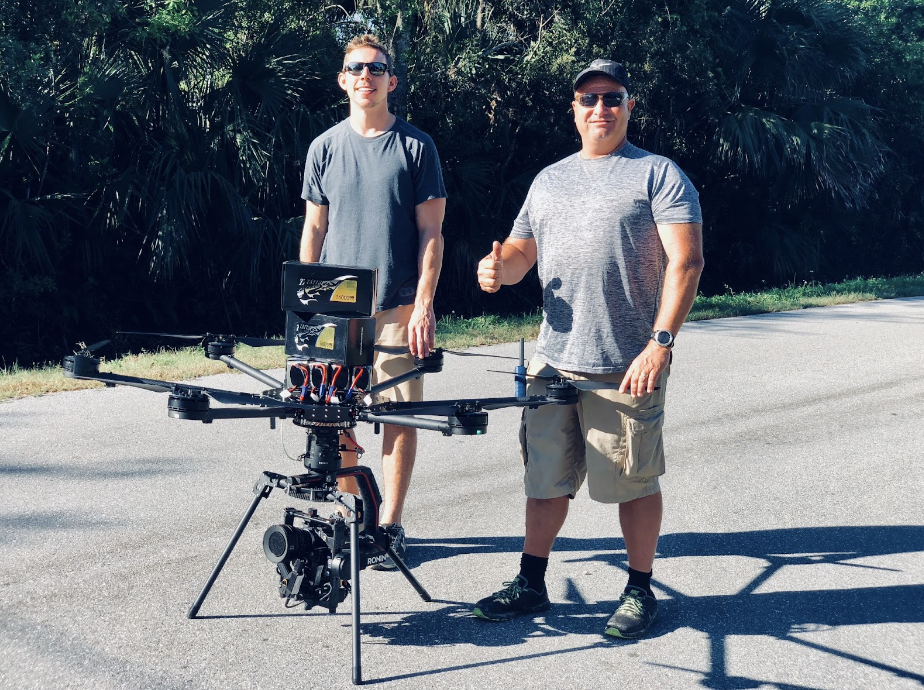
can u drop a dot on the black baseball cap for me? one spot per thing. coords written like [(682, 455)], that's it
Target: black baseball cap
[(607, 68)]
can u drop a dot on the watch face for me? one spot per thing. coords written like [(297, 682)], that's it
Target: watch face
[(663, 338)]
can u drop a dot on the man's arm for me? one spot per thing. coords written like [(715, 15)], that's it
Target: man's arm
[(683, 245), (313, 233), (422, 326), (507, 263)]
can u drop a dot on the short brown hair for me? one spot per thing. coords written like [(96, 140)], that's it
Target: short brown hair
[(368, 41)]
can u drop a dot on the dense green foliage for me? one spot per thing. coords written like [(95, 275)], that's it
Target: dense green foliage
[(151, 151)]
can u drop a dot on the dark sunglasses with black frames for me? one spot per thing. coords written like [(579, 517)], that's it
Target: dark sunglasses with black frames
[(611, 99), (376, 69)]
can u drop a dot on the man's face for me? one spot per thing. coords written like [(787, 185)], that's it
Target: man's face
[(366, 91), (600, 125)]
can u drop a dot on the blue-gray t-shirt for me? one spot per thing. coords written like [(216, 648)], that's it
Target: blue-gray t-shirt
[(600, 258), (371, 186)]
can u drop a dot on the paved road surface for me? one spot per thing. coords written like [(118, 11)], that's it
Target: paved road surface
[(792, 553)]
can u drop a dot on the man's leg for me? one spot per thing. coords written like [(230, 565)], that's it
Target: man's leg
[(399, 443), (348, 458), (640, 520), (552, 449), (399, 450), (544, 520), (625, 457), (641, 526)]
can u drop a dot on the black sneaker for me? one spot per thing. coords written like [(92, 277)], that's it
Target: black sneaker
[(637, 611), (512, 601), (398, 544)]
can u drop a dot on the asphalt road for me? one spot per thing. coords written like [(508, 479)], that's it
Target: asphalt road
[(792, 553)]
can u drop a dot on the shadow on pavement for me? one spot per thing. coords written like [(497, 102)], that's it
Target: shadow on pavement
[(781, 615)]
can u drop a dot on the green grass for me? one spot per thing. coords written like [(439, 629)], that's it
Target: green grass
[(805, 296), (458, 333)]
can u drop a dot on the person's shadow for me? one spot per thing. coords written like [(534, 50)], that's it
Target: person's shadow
[(783, 615)]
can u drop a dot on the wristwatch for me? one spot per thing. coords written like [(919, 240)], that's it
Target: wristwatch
[(663, 338)]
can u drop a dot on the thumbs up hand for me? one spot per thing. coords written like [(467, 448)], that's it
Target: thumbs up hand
[(491, 270)]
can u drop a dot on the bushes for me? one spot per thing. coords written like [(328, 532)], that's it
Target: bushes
[(151, 151)]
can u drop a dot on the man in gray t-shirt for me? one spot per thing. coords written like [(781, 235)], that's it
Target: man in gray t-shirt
[(617, 235), (374, 198)]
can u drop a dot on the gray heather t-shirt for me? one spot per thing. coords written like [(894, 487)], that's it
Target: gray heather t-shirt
[(372, 186), (601, 262)]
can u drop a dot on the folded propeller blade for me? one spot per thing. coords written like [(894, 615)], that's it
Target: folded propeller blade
[(529, 376), (260, 342), (394, 350), (478, 354), (89, 349), (165, 335)]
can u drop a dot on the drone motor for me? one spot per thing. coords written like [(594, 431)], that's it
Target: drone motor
[(467, 424), (78, 366), (218, 348), (188, 405)]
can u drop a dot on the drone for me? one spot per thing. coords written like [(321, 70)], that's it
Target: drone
[(328, 391)]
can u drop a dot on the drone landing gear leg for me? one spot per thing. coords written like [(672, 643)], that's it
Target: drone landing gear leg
[(354, 576), (262, 489), (408, 575)]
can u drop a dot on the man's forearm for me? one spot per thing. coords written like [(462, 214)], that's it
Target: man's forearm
[(429, 264), (680, 285), (683, 246), (313, 232), (311, 244)]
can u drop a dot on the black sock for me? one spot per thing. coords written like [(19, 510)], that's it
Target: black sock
[(532, 568), (641, 580)]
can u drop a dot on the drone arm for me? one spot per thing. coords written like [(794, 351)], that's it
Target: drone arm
[(237, 413), (391, 383), (250, 371), (447, 408), (118, 379), (406, 420)]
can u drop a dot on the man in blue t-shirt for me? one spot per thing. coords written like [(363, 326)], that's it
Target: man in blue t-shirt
[(617, 235), (375, 198)]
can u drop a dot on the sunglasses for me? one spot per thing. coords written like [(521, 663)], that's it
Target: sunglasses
[(376, 69), (611, 99)]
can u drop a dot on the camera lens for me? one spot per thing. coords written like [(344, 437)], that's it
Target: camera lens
[(276, 543), (281, 541), (285, 542)]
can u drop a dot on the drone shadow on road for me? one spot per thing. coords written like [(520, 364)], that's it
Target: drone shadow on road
[(781, 615)]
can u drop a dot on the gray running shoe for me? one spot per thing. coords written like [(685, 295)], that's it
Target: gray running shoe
[(515, 599), (637, 611), (398, 543)]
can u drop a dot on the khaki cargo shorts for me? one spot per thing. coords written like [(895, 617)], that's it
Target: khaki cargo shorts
[(391, 331), (608, 437)]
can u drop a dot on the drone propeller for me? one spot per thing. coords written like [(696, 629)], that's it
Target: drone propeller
[(515, 373), (478, 354), (580, 385), (260, 342), (395, 350), (88, 350), (206, 337), (165, 335)]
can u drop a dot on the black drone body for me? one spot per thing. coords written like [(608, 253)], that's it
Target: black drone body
[(328, 391)]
